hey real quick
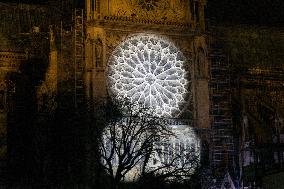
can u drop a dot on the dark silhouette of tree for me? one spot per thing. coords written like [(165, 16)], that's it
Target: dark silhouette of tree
[(133, 143)]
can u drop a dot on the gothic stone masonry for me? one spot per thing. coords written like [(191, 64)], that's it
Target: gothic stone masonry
[(110, 23)]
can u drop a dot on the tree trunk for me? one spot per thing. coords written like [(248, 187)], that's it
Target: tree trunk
[(115, 183)]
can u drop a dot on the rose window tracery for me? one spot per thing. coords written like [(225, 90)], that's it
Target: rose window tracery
[(150, 70)]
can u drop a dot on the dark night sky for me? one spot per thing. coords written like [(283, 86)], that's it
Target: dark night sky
[(251, 12)]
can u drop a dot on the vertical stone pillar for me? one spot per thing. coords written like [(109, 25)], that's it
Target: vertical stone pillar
[(201, 83), (95, 8), (96, 63), (89, 59), (88, 10), (51, 75), (201, 12)]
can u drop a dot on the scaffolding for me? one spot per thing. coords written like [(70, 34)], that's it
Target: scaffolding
[(222, 149), (79, 67)]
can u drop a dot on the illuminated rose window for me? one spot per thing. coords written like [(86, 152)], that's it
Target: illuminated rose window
[(150, 70)]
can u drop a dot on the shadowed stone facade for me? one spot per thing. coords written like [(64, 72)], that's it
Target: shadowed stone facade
[(110, 23), (236, 76)]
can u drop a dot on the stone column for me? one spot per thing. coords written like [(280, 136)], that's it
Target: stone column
[(96, 63), (201, 12), (201, 83)]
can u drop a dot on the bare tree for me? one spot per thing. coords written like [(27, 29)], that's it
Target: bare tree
[(176, 162), (134, 145)]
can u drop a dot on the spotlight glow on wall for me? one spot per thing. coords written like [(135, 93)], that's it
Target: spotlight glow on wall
[(176, 155)]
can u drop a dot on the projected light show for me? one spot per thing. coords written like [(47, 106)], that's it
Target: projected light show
[(179, 149), (149, 69), (175, 155)]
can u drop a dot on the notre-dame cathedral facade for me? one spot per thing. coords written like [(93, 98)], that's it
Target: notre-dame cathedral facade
[(160, 53)]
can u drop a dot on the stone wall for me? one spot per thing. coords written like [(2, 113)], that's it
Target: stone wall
[(253, 47)]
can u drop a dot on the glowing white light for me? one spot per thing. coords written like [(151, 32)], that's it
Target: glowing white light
[(181, 150), (150, 70)]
